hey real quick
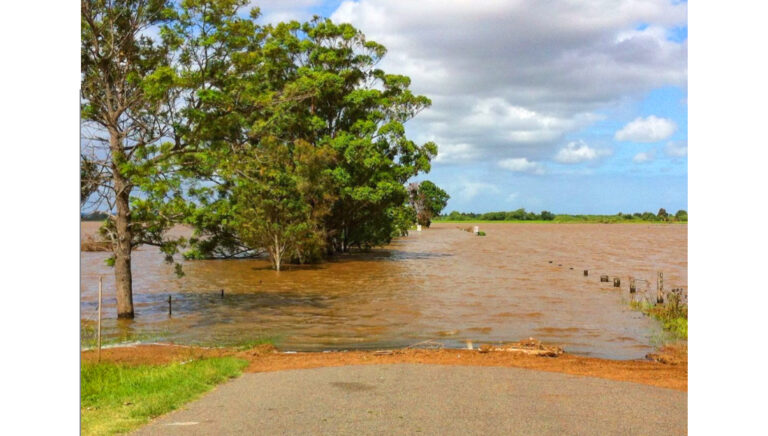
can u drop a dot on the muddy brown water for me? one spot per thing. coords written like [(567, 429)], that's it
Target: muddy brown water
[(442, 283)]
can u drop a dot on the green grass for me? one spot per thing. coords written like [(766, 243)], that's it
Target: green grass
[(118, 398), (672, 315), (252, 343)]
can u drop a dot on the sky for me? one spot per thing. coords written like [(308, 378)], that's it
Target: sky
[(567, 106)]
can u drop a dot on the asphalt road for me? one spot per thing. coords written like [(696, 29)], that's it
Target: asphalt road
[(427, 400)]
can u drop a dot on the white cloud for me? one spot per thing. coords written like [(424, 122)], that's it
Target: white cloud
[(644, 157), (676, 149), (455, 153), (510, 79), (579, 151), (521, 165), (649, 129), (469, 190)]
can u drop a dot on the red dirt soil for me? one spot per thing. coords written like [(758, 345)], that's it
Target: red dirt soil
[(668, 368)]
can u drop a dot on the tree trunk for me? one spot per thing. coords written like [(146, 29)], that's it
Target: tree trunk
[(122, 245), (277, 257)]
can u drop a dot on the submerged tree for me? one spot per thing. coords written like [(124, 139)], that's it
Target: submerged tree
[(281, 200), (358, 111), (314, 100)]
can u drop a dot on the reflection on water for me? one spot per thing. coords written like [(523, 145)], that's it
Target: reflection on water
[(442, 283)]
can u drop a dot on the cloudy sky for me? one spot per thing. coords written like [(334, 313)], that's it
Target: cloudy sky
[(569, 106)]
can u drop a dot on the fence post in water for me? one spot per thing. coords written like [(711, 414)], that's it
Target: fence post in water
[(586, 272), (632, 285), (660, 288), (616, 282), (170, 311), (604, 278), (222, 293), (98, 328)]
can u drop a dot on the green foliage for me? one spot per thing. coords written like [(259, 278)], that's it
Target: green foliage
[(89, 178), (403, 218), (305, 150), (547, 215), (119, 398), (427, 200), (481, 233), (681, 215), (673, 314)]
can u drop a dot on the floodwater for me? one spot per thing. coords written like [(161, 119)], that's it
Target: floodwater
[(442, 283)]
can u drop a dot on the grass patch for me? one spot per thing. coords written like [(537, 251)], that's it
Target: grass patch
[(481, 233), (253, 343), (118, 398), (673, 315)]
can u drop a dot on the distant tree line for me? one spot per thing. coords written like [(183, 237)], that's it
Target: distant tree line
[(94, 216), (515, 215), (522, 215)]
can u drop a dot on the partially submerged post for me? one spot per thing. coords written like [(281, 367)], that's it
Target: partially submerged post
[(586, 272), (660, 288), (604, 278), (98, 328), (616, 282), (222, 293), (170, 311), (632, 285)]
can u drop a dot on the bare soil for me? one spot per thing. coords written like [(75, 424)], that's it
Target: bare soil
[(668, 368)]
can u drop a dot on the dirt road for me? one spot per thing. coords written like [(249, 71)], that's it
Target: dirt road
[(428, 399)]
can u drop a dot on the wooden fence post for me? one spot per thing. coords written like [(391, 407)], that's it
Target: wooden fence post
[(98, 328), (170, 311), (586, 272), (660, 288), (616, 282), (632, 285)]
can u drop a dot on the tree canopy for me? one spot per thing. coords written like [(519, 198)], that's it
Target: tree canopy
[(319, 156)]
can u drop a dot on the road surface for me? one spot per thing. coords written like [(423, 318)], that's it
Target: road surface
[(427, 400)]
